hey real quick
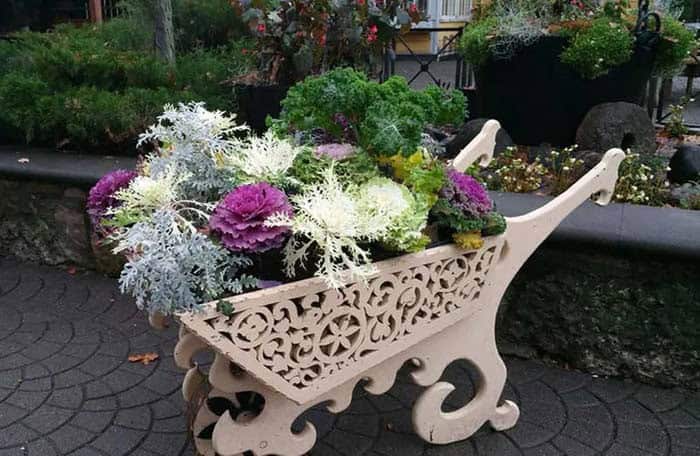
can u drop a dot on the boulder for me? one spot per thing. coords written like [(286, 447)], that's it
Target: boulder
[(685, 164), (623, 125), (454, 144)]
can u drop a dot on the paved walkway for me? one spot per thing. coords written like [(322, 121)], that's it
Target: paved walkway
[(66, 387)]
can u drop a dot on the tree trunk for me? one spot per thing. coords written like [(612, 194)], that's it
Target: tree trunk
[(164, 34)]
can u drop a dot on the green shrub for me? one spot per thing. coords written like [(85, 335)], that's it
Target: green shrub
[(474, 44), (90, 117), (95, 87), (206, 23), (19, 96), (205, 73), (594, 50), (677, 43)]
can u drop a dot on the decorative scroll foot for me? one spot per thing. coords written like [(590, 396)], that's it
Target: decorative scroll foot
[(506, 416)]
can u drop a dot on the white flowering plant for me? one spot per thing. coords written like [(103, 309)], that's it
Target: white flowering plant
[(211, 201)]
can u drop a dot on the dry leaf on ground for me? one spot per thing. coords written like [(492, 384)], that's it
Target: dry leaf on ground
[(143, 358)]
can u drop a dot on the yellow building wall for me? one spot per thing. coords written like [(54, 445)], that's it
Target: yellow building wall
[(419, 41)]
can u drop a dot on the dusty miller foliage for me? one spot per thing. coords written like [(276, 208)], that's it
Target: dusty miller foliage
[(177, 269), (519, 24), (192, 140)]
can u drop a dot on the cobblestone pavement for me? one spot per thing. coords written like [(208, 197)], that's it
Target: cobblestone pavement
[(66, 387)]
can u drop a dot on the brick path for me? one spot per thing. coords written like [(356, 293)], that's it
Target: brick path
[(66, 387)]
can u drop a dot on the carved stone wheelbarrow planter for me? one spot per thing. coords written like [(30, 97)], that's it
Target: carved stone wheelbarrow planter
[(302, 344)]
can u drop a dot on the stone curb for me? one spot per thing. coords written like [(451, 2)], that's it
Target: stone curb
[(58, 167), (624, 227)]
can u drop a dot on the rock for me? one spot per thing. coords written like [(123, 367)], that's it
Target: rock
[(685, 164), (590, 157), (454, 144), (623, 125)]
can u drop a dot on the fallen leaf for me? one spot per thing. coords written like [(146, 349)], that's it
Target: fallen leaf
[(143, 358), (23, 160)]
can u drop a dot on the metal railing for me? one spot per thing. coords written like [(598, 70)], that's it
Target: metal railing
[(447, 50)]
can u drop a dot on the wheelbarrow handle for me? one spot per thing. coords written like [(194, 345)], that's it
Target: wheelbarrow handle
[(480, 148)]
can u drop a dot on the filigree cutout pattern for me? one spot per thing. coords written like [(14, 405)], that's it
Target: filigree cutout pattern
[(311, 337)]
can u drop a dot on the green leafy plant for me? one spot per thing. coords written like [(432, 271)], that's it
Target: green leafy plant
[(675, 127), (598, 48), (476, 39), (343, 105), (298, 38), (677, 43)]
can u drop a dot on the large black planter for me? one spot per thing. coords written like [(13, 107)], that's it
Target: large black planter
[(256, 102), (539, 99)]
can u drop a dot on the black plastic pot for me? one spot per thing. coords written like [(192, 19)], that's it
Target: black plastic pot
[(539, 99), (256, 102)]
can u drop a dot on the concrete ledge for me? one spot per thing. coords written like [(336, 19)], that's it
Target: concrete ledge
[(47, 165), (624, 227)]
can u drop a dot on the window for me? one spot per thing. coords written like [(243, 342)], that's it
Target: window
[(455, 10)]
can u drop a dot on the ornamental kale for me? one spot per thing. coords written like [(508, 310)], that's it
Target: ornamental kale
[(355, 169), (101, 197), (330, 223), (463, 207), (240, 218), (407, 213), (465, 193)]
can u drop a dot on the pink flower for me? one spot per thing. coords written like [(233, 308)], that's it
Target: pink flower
[(239, 219), (261, 28), (372, 34)]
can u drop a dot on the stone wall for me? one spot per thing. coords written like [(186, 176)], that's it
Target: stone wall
[(628, 316), (44, 223)]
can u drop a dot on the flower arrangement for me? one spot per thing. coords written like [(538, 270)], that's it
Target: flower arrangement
[(213, 200)]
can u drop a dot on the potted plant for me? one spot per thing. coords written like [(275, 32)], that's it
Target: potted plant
[(297, 38), (340, 182), (541, 66)]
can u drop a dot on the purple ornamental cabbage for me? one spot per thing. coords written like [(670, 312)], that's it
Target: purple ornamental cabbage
[(101, 196), (239, 218), (465, 193)]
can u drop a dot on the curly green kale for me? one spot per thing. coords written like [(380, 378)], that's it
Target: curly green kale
[(449, 217), (495, 224), (391, 128)]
